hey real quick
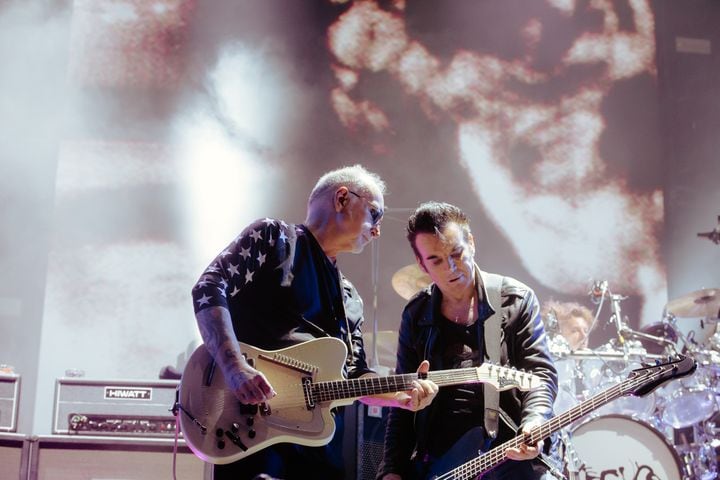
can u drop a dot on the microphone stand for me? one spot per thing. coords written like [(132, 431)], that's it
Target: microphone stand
[(616, 317), (374, 274)]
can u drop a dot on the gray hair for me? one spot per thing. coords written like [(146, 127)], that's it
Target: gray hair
[(355, 177)]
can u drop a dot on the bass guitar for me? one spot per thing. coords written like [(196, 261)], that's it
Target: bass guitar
[(639, 382), (309, 382)]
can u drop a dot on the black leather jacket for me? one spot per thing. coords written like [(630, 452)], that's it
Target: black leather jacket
[(523, 346)]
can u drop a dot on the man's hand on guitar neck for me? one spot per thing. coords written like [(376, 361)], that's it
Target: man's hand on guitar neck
[(419, 397), (525, 451)]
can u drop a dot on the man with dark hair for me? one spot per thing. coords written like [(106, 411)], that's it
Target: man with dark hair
[(278, 285), (463, 318)]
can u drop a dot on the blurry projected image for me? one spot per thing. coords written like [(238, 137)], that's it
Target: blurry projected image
[(117, 274), (526, 86), (128, 43)]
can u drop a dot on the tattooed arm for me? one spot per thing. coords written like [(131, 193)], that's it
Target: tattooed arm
[(248, 384)]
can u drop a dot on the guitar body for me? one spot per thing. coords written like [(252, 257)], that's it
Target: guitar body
[(233, 430)]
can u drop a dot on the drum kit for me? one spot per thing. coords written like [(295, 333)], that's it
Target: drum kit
[(671, 433)]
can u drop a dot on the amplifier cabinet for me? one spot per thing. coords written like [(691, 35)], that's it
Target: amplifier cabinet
[(371, 422), (9, 400), (14, 456), (114, 407), (71, 457)]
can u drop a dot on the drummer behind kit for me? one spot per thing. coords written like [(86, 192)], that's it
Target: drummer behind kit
[(678, 419)]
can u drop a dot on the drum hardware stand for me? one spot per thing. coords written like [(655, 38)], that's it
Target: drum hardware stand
[(630, 333), (571, 457), (713, 235), (625, 333)]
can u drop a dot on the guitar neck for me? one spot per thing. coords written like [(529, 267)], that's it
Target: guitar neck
[(360, 387), (495, 456)]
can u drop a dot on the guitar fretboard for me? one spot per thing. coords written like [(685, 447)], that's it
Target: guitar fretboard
[(360, 387)]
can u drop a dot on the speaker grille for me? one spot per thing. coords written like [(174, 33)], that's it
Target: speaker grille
[(371, 440)]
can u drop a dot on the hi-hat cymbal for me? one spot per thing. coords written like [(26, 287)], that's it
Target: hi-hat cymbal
[(700, 303), (409, 280)]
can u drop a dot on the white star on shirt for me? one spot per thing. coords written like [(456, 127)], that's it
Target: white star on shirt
[(271, 241), (235, 291), (285, 225), (283, 237), (269, 221), (213, 268), (248, 276), (225, 253), (256, 235), (261, 258), (222, 291), (233, 269), (245, 252), (204, 300)]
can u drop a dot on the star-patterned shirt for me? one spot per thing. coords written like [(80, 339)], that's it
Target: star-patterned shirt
[(281, 289)]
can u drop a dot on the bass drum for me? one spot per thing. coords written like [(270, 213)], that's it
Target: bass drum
[(615, 446)]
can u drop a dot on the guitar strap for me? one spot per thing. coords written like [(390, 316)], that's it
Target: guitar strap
[(492, 336), (492, 333)]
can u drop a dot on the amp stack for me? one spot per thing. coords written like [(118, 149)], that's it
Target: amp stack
[(9, 401), (114, 408), (14, 448), (118, 429)]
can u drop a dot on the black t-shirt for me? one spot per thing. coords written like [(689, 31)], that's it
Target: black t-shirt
[(461, 405), (281, 289)]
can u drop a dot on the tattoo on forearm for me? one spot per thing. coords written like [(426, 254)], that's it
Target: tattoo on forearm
[(216, 334), (211, 335)]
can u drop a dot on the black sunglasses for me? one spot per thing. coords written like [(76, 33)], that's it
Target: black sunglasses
[(375, 213)]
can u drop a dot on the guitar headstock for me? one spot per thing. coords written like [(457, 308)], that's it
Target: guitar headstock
[(644, 380), (505, 378)]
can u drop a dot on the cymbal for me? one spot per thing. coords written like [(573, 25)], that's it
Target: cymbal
[(386, 346), (700, 303), (409, 280)]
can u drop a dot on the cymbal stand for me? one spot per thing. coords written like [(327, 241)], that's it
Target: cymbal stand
[(669, 345), (375, 274)]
